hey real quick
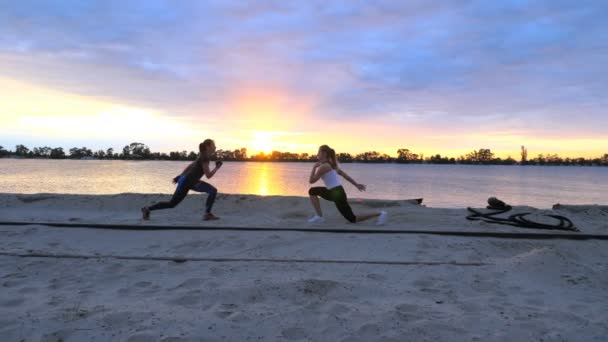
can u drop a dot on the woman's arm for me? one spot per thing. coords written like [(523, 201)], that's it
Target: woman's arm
[(208, 172), (361, 187), (318, 171)]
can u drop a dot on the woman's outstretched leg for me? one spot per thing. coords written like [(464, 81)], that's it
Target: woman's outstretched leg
[(367, 216), (346, 211), (178, 196), (382, 217)]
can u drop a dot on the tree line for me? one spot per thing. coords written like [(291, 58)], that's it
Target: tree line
[(140, 151)]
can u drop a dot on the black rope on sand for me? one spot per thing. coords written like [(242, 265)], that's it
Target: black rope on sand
[(519, 219), (474, 234), (180, 259)]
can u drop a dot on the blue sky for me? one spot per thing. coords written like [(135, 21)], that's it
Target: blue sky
[(430, 75)]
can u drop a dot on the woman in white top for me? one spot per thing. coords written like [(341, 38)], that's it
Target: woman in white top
[(327, 169)]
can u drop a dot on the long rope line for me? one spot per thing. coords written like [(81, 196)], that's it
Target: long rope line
[(477, 234), (179, 259)]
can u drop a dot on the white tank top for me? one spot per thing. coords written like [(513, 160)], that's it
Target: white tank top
[(330, 179)]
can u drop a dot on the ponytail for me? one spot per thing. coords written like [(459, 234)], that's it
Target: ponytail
[(333, 161), (202, 147), (331, 156)]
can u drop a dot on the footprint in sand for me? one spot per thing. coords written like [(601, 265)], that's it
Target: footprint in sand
[(217, 271), (536, 301), (377, 277), (13, 302), (233, 316), (213, 285), (412, 312), (116, 318), (423, 283), (339, 309), (470, 307), (294, 333), (27, 290), (191, 283), (141, 287), (223, 314), (409, 312), (57, 336), (142, 337), (178, 339), (369, 330), (55, 301), (142, 284), (225, 311), (12, 283), (295, 215), (54, 284), (188, 246), (193, 297), (316, 287), (113, 268), (145, 267)]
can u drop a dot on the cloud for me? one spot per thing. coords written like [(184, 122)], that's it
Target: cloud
[(509, 63)]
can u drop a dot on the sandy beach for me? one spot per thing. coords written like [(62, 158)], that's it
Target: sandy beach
[(79, 284)]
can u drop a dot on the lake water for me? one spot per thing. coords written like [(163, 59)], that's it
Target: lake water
[(440, 185)]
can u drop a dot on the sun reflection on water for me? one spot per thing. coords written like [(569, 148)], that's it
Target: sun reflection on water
[(262, 178), (445, 186)]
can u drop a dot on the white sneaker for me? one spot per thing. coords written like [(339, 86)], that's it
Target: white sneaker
[(382, 218), (316, 219)]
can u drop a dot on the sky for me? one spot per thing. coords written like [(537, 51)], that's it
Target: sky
[(432, 76)]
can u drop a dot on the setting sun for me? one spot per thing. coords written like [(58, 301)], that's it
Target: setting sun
[(262, 141)]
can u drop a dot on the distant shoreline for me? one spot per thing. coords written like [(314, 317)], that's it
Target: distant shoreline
[(312, 161), (140, 151)]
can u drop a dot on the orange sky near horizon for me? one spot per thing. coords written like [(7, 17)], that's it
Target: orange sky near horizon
[(260, 119), (433, 77)]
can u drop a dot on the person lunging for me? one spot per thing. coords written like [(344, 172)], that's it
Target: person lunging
[(328, 170), (189, 179)]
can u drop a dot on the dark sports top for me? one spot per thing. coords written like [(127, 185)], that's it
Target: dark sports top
[(196, 172)]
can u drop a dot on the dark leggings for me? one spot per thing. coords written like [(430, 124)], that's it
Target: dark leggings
[(182, 190), (338, 196)]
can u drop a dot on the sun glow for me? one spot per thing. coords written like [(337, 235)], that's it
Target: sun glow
[(260, 108), (270, 118), (262, 141), (44, 112)]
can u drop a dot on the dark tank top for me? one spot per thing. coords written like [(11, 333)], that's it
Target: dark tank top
[(196, 172)]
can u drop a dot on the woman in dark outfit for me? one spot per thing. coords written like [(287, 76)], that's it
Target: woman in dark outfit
[(190, 179)]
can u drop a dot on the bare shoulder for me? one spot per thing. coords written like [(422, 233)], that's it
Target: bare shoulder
[(325, 167)]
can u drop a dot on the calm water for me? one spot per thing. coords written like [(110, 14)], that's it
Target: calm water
[(440, 185)]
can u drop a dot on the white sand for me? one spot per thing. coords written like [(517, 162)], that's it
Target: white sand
[(270, 211), (258, 285)]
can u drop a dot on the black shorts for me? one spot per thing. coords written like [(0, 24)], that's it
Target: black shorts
[(338, 196)]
